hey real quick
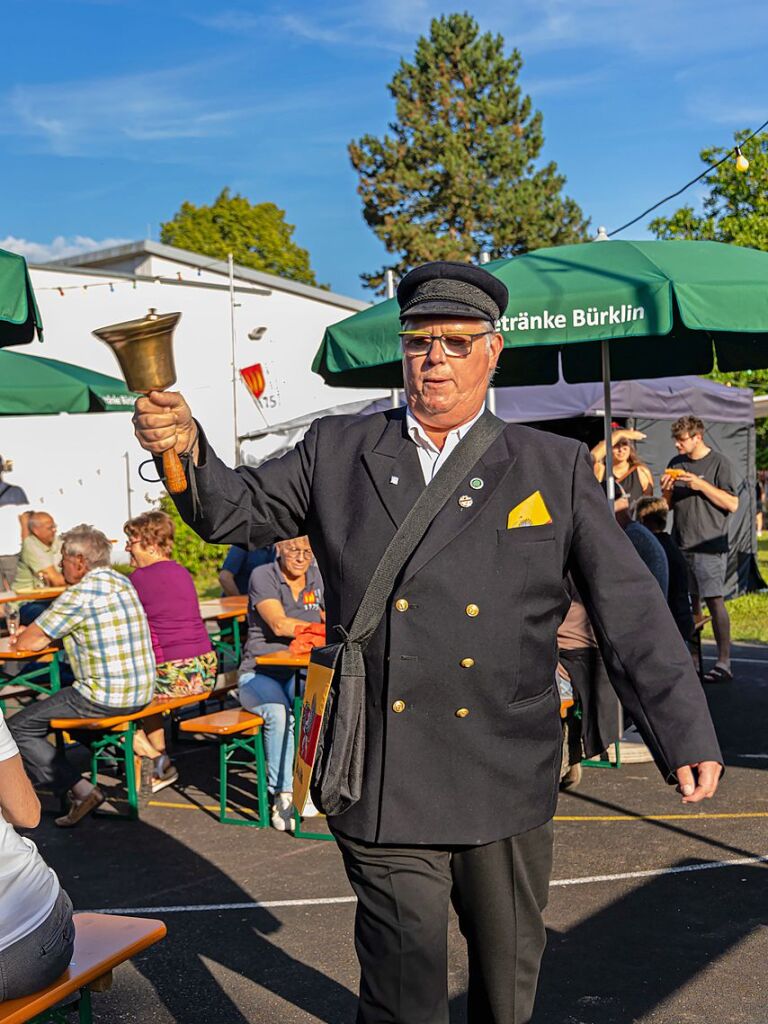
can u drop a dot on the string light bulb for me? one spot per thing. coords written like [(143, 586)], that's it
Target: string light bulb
[(742, 164)]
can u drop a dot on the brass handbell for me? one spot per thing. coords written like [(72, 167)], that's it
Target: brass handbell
[(144, 350)]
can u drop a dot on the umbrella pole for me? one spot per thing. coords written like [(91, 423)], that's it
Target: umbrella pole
[(389, 278), (610, 483)]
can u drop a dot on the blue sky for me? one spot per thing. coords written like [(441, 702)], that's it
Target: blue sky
[(114, 111)]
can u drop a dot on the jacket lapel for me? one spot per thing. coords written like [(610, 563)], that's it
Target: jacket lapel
[(492, 469), (395, 469)]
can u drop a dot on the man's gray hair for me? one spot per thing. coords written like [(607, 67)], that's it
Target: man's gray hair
[(90, 543)]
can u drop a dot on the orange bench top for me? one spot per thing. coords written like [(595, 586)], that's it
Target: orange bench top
[(8, 653), (102, 941), (157, 706), (224, 723), (283, 658)]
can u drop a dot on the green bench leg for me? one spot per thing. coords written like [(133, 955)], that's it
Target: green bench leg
[(118, 744), (601, 762), (85, 1013), (253, 747), (61, 1015)]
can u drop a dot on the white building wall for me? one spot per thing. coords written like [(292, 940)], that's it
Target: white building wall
[(76, 465)]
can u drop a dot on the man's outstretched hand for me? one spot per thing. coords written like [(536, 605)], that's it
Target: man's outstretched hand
[(698, 781), (162, 420)]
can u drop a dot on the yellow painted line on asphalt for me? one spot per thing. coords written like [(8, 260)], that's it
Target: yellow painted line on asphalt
[(693, 816), (198, 807)]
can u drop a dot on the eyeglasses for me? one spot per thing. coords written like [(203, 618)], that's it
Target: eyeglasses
[(456, 346), (305, 553)]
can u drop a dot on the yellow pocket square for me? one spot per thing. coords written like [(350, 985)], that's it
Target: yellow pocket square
[(531, 512)]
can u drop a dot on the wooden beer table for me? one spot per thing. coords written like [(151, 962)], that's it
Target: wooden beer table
[(229, 612), (47, 666), (21, 596)]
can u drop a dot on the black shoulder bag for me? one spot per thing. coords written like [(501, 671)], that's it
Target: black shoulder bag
[(331, 748)]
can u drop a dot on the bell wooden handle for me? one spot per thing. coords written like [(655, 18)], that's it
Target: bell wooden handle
[(173, 471)]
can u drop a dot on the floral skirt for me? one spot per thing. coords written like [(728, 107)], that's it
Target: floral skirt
[(186, 676)]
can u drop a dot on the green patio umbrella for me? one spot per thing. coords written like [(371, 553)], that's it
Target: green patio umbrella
[(19, 315), (664, 309), (596, 311), (34, 386)]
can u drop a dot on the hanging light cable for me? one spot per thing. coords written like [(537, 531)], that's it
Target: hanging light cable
[(742, 164)]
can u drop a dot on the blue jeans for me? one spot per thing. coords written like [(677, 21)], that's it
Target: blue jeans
[(271, 696)]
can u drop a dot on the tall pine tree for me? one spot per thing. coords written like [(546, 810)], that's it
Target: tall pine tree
[(458, 174)]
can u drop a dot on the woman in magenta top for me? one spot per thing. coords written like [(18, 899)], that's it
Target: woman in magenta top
[(186, 661)]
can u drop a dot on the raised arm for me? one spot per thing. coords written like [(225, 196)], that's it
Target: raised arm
[(245, 506)]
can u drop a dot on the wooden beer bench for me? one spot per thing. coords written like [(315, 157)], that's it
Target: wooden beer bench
[(117, 741), (240, 745), (102, 941)]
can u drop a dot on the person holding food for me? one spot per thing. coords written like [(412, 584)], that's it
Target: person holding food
[(700, 487)]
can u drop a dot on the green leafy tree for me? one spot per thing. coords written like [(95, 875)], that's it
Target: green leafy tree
[(256, 233), (734, 210), (203, 560), (458, 175)]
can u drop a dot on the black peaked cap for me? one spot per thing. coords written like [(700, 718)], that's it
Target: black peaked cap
[(448, 288)]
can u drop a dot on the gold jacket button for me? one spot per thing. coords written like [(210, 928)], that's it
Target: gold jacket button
[(398, 706), (401, 604), (462, 712), (467, 662), (472, 610)]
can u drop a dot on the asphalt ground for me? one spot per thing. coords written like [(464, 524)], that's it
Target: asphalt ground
[(657, 911)]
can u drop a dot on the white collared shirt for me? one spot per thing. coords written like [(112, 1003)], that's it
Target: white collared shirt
[(430, 456)]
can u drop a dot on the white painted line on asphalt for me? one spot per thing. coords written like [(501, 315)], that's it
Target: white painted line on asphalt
[(325, 901), (751, 661), (202, 907), (705, 866)]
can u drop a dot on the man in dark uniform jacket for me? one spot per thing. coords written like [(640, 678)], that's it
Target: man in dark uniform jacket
[(463, 733)]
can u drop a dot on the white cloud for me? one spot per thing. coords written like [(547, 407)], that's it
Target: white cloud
[(93, 116), (57, 249), (649, 29)]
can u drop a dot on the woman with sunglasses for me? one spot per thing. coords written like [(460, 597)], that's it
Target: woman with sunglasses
[(283, 596), (628, 470)]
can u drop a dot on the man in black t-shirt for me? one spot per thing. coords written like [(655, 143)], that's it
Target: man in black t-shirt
[(700, 486)]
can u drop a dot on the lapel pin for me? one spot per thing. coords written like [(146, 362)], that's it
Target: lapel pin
[(394, 479), (475, 483), (466, 501)]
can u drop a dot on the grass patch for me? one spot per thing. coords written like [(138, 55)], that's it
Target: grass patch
[(749, 614)]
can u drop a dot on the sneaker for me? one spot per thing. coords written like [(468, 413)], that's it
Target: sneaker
[(167, 778), (79, 808), (310, 811), (282, 813)]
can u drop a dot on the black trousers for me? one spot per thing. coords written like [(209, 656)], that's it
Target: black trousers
[(499, 892), (46, 764)]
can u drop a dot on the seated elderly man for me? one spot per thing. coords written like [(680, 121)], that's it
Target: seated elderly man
[(106, 636), (38, 564)]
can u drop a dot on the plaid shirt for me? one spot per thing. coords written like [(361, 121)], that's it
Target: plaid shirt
[(106, 637)]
